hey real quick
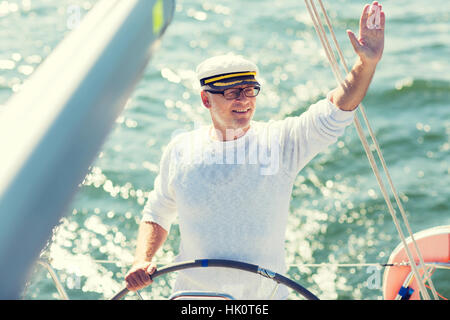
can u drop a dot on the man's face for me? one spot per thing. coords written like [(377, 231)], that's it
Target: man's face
[(230, 115)]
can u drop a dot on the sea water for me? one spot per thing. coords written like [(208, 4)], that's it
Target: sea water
[(337, 213)]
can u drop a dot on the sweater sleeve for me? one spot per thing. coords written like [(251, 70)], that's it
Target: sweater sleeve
[(161, 206), (303, 137)]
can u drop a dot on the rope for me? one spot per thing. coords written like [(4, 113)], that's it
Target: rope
[(380, 155), (161, 263), (436, 265), (440, 295), (334, 66)]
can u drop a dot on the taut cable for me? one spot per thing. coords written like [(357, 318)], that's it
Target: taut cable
[(318, 25), (380, 156)]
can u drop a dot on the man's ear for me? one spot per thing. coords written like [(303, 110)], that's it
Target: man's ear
[(205, 99)]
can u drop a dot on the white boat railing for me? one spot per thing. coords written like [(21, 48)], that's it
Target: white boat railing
[(52, 130)]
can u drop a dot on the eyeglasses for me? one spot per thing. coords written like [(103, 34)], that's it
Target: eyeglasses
[(234, 93)]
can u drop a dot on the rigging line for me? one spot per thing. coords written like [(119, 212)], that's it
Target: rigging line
[(380, 155), (323, 41), (392, 211), (343, 265), (368, 152), (360, 132), (366, 147), (437, 265), (440, 295)]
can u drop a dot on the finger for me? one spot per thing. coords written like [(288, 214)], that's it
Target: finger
[(354, 41), (131, 283), (382, 20), (147, 279), (139, 276), (375, 3), (143, 278), (364, 17), (151, 269), (377, 17), (137, 279)]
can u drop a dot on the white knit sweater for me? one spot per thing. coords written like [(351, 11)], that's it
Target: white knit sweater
[(232, 197)]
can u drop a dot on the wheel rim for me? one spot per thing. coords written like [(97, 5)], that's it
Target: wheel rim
[(208, 263)]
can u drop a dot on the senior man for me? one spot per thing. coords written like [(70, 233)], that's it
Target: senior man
[(230, 182)]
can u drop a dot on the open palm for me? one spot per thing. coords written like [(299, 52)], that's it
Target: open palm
[(370, 43)]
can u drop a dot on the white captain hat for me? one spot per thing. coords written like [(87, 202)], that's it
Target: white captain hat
[(226, 71)]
